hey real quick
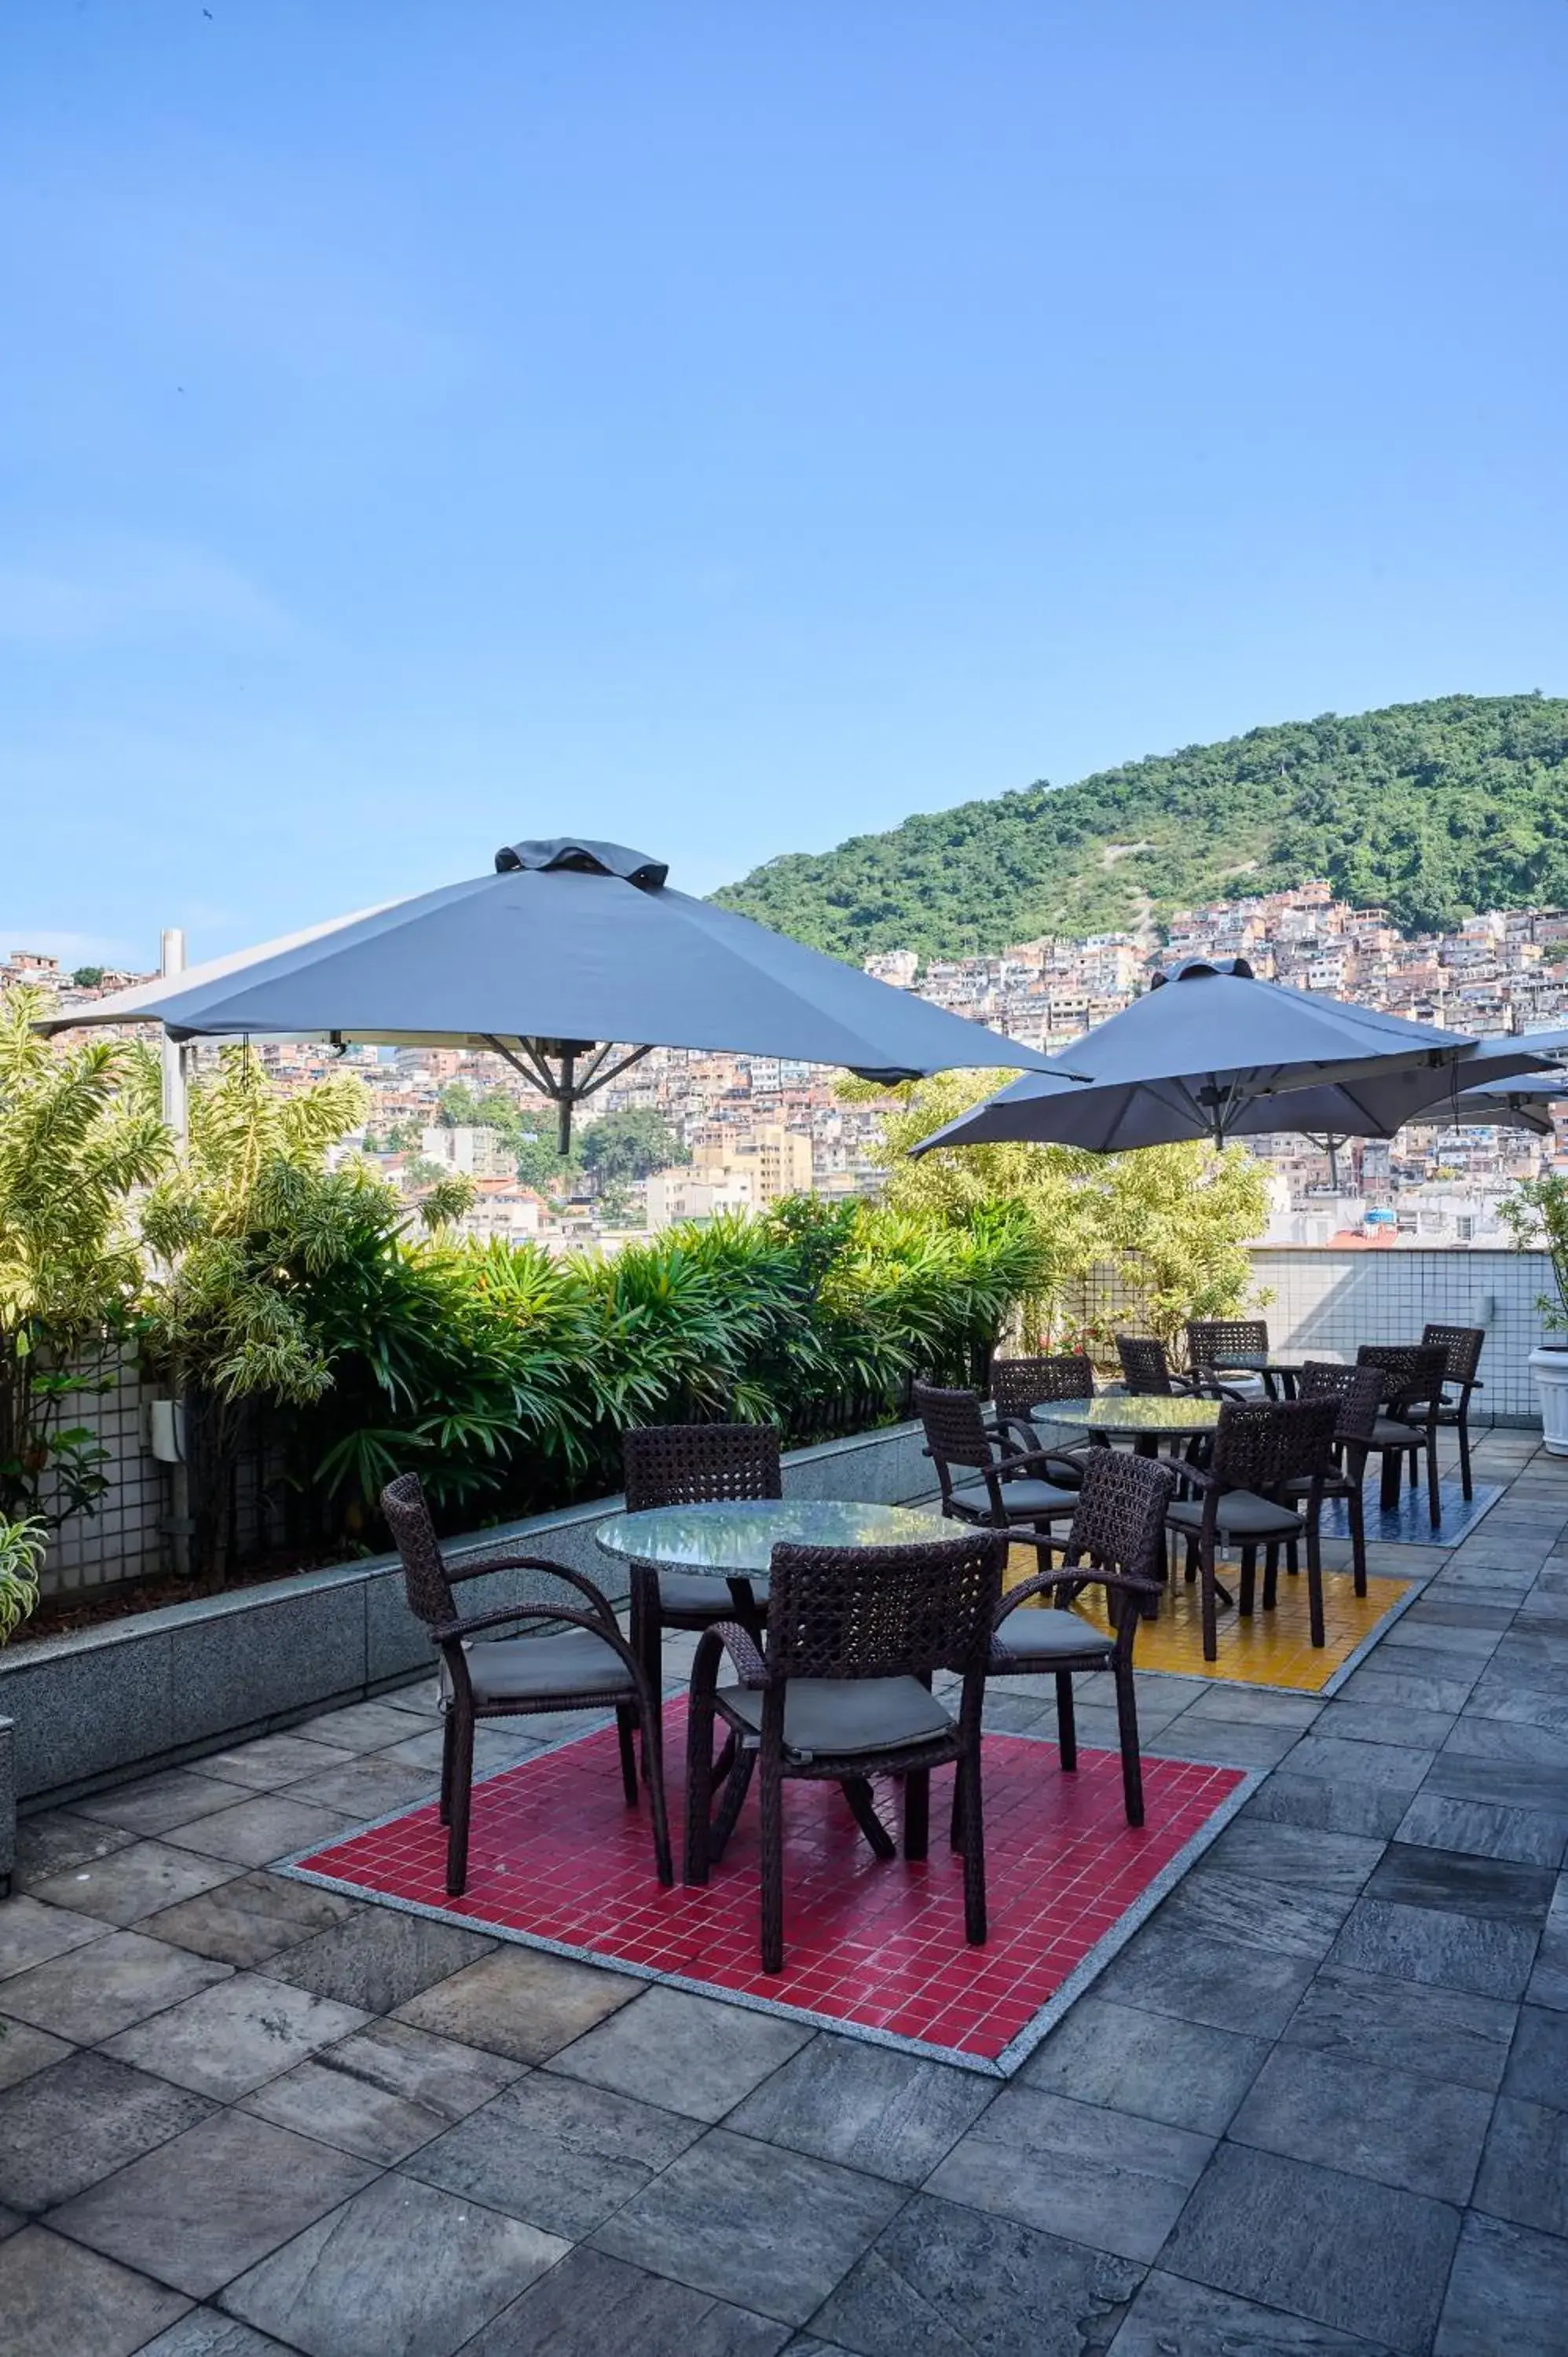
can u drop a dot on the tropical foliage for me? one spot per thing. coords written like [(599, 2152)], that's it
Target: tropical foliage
[(22, 1548), (1429, 810), (1536, 1211)]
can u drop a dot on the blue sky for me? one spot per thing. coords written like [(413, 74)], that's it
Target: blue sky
[(729, 428)]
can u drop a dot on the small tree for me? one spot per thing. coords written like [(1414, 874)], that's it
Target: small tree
[(1536, 1211), (630, 1145)]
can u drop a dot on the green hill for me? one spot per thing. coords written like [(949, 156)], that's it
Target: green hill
[(1429, 810)]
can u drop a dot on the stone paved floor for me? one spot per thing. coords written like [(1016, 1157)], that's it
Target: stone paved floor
[(1318, 2106)]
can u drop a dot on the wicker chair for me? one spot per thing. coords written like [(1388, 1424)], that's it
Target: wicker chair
[(996, 1488), (690, 1465), (1464, 1345), (1413, 1375), (1218, 1344), (1116, 1542), (1358, 1391), (854, 1635), (1019, 1386), (590, 1665), (1259, 1447), (1146, 1369)]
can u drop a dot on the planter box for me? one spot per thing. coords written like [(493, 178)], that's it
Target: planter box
[(162, 1686)]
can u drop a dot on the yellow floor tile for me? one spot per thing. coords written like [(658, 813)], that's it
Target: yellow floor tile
[(1271, 1649)]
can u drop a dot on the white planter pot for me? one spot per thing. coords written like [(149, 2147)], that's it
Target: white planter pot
[(1550, 1369)]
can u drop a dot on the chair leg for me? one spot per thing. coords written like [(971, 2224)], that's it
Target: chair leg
[(1434, 1492), (856, 1791), (1292, 1559), (1356, 1506), (646, 1635), (1272, 1573), (974, 1922), (1388, 1489), (461, 1801), (917, 1813), (1315, 1583), (699, 1792), (737, 1785), (1067, 1721), (1210, 1622), (653, 1769), (772, 1827), (1127, 1730), (1463, 1427), (448, 1739), (1249, 1593), (627, 1719)]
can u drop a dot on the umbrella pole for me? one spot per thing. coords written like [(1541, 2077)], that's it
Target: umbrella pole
[(563, 1099)]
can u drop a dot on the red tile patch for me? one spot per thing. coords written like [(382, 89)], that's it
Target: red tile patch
[(556, 1857)]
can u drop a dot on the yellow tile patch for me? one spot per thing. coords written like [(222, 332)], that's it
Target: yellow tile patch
[(1271, 1649)]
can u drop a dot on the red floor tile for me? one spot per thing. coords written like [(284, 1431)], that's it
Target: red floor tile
[(556, 1856)]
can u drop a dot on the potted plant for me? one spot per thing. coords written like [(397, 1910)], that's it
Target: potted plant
[(1536, 1211)]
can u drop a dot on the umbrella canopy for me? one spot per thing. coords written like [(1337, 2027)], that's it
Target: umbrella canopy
[(571, 960), (1522, 1102), (1210, 1052)]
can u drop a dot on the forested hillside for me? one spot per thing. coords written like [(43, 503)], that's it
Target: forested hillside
[(1431, 810)]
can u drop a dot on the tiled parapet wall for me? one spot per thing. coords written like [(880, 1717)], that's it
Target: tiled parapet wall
[(1329, 1300)]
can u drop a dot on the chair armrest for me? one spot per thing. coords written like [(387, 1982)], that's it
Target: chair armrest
[(1072, 1574), (511, 1559), (506, 1616), (1006, 1465)]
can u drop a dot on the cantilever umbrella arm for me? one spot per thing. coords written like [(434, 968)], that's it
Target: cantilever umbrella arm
[(563, 1083)]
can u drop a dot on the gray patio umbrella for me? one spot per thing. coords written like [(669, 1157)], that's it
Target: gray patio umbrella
[(1211, 1052), (571, 960), (1522, 1102)]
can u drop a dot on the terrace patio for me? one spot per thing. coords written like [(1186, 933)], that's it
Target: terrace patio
[(1317, 2103)]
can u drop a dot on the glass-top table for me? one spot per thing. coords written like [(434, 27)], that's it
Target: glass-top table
[(737, 1539), (1143, 1420), (1282, 1365)]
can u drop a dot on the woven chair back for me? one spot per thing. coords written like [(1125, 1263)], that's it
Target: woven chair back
[(884, 1612), (1019, 1385), (425, 1580), (1259, 1445), (1462, 1345), (1359, 1390), (1215, 1343), (1412, 1371), (699, 1464), (1146, 1370), (954, 1424), (1119, 1524)]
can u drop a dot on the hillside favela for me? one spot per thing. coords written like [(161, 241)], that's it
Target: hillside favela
[(784, 1181)]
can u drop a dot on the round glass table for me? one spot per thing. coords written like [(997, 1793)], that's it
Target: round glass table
[(1282, 1366), (1144, 1421), (735, 1540)]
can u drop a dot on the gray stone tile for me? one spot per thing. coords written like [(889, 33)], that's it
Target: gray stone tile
[(200, 2208), (1258, 1705), (228, 2039), (61, 2302), (519, 2002), (1524, 2176), (494, 1747), (1361, 2257), (98, 1990), (382, 2093), (1184, 2073), (1317, 1805), (205, 2334), (274, 1760), (1482, 1829), (400, 2270), (1382, 1767), (839, 2099), (31, 1933), (1371, 1722), (686, 2053), (1427, 1943), (1538, 2066), (260, 1831), (560, 2155), (1245, 1911), (380, 1957), (1417, 1875), (65, 2127), (753, 2224), (134, 1882), (24, 2049), (1507, 1738), (1439, 2033), (592, 2303), (1419, 2132), (155, 1805), (948, 2282), (1412, 1680), (362, 1726), (434, 2073), (1513, 1784), (251, 1918), (1296, 1856), (373, 1785), (1231, 1742), (1097, 2177), (1200, 1980), (1174, 2318), (54, 1839), (1508, 2293)]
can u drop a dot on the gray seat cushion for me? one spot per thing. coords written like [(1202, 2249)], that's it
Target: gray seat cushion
[(1239, 1514), (688, 1591), (1050, 1635), (1023, 1498), (517, 1669), (1389, 1432), (844, 1716)]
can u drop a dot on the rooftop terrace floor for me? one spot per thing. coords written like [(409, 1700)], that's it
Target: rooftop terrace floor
[(1318, 2104)]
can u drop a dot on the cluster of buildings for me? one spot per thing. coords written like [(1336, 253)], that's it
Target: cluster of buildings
[(754, 1129)]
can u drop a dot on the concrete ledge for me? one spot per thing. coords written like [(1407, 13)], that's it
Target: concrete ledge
[(158, 1687), (8, 1804)]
